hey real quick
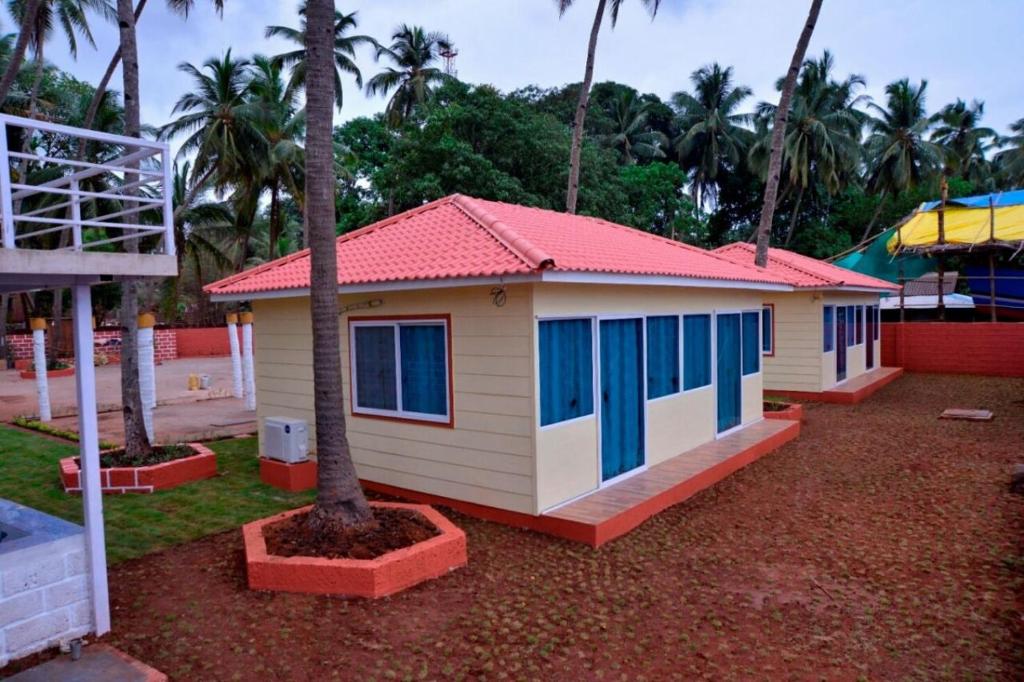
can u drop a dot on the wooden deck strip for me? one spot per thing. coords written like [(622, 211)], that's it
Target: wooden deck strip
[(607, 503)]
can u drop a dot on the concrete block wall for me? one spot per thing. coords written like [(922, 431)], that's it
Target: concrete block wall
[(165, 343), (44, 598), (982, 348)]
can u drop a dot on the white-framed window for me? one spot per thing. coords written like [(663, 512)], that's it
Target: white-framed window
[(768, 329), (400, 368)]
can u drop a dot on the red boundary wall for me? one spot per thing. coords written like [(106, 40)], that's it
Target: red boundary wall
[(198, 342), (984, 348)]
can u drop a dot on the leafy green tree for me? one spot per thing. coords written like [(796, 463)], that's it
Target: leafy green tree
[(632, 136), (1010, 161), (657, 203), (958, 129), (345, 46), (899, 155), (711, 133), (412, 76)]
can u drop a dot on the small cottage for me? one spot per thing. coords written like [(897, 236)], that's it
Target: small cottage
[(517, 358), (823, 333)]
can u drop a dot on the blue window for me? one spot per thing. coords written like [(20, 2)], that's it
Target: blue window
[(696, 351), (566, 370), (751, 343), (400, 369), (829, 328), (878, 319), (850, 325), (860, 324), (767, 329), (662, 356)]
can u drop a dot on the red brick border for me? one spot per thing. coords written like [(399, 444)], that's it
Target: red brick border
[(291, 477), (792, 412), (373, 578), (120, 480), (843, 397), (50, 373)]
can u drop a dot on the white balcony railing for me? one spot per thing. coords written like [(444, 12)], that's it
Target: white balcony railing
[(66, 188)]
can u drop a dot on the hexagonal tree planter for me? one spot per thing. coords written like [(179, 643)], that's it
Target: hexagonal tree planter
[(775, 409), (145, 479), (385, 575)]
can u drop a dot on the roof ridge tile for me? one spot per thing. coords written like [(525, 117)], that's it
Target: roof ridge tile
[(532, 255)]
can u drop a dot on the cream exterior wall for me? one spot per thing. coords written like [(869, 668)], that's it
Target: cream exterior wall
[(487, 458), (796, 362), (567, 455)]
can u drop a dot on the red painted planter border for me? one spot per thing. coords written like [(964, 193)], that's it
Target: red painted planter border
[(793, 412), (291, 477), (50, 373), (120, 480), (373, 578)]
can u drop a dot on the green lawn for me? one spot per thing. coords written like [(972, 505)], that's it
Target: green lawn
[(140, 524)]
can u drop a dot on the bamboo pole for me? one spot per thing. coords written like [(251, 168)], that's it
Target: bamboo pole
[(991, 259), (944, 194)]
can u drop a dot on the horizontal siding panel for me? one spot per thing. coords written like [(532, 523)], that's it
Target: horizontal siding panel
[(501, 385), (493, 404), (458, 438), (458, 491), (480, 459), (491, 346), (491, 366), (270, 370), (453, 473)]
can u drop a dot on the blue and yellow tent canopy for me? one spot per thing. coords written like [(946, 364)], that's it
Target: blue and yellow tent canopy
[(973, 220)]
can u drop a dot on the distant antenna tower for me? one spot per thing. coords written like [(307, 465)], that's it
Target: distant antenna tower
[(449, 54)]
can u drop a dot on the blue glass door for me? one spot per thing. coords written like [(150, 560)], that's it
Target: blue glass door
[(729, 360), (622, 396), (869, 337), (840, 343)]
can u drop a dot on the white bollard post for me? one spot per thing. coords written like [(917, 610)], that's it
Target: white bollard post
[(38, 325), (147, 371), (236, 356), (248, 367)]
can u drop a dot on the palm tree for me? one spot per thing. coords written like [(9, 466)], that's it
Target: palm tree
[(771, 189), (821, 147), (17, 54), (218, 120), (966, 142), (710, 135), (340, 503), (576, 149), (1010, 161), (344, 51), (281, 127), (632, 137), (898, 154), (413, 51)]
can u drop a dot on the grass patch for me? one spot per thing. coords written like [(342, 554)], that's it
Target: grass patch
[(140, 524), (49, 429)]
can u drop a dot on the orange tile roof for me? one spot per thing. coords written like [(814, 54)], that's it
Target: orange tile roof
[(463, 237), (803, 271)]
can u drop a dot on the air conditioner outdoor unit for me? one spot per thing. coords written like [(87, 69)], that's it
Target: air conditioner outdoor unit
[(285, 439)]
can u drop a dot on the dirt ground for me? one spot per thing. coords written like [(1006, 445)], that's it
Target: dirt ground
[(882, 544)]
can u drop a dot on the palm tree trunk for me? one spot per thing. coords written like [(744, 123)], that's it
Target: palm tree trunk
[(18, 54), (135, 438), (101, 88), (581, 113), (275, 219), (340, 503), (796, 215), (874, 217), (771, 190)]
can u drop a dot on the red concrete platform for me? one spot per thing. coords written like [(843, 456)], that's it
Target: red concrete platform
[(851, 392), (610, 512), (291, 477)]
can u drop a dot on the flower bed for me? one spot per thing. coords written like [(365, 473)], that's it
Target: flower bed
[(50, 373), (782, 410), (385, 575), (145, 479)]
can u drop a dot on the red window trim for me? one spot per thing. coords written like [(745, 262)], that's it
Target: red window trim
[(772, 353), (352, 410)]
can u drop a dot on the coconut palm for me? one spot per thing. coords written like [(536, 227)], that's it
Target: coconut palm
[(899, 155), (711, 135), (821, 146), (412, 78), (340, 503), (281, 126), (17, 53), (344, 51), (576, 148), (632, 137), (771, 188), (958, 129), (1010, 161), (218, 120)]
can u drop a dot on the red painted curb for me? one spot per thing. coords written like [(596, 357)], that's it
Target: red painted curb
[(50, 373), (372, 578), (842, 397), (291, 477), (147, 479), (793, 412)]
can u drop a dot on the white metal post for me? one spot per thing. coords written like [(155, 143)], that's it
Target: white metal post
[(76, 217), (236, 356), (89, 452), (248, 368), (39, 364), (147, 371), (168, 197), (6, 207)]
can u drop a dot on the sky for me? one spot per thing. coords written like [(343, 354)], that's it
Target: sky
[(964, 49)]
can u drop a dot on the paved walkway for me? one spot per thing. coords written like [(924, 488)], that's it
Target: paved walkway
[(99, 663)]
